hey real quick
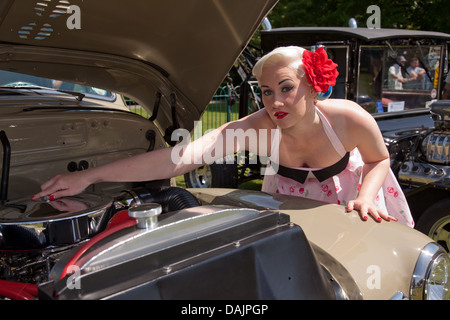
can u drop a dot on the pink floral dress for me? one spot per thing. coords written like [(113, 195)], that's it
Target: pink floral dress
[(340, 188)]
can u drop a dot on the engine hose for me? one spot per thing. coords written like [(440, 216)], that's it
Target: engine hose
[(15, 293), (88, 245), (31, 289), (171, 199), (16, 236)]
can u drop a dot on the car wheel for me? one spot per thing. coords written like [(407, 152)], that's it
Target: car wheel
[(198, 178), (216, 175), (435, 222)]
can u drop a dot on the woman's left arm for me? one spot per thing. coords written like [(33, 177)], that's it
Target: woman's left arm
[(366, 135)]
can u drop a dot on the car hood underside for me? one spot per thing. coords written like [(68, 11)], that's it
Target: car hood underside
[(178, 50)]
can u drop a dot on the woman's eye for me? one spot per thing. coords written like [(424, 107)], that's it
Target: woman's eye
[(286, 89), (267, 92)]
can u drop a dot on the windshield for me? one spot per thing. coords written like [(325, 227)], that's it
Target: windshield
[(395, 78), (19, 80)]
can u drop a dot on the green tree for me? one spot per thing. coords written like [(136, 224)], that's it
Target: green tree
[(429, 15)]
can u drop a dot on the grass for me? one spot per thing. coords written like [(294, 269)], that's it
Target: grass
[(215, 115)]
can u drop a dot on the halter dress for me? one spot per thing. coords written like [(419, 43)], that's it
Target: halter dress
[(338, 183)]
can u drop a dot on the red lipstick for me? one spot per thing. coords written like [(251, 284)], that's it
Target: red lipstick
[(280, 115)]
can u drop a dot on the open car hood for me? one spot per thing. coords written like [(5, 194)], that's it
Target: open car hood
[(180, 50)]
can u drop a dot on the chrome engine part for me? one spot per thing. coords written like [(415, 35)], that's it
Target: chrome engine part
[(436, 147), (429, 161), (420, 173), (29, 224)]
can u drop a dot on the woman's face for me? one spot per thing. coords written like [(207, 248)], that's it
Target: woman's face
[(285, 95)]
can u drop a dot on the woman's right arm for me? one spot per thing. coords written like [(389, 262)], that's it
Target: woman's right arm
[(142, 167), (155, 165)]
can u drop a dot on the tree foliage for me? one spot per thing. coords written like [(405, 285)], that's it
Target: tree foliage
[(431, 15)]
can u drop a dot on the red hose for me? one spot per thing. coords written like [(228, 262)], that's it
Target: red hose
[(16, 291), (111, 230), (27, 287)]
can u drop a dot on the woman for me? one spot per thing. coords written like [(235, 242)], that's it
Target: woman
[(336, 136)]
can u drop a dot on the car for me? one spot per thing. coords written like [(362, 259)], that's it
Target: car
[(150, 240)]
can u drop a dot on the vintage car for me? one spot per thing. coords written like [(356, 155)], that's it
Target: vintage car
[(149, 240)]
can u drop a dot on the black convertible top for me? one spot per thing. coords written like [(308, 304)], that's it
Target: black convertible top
[(362, 33)]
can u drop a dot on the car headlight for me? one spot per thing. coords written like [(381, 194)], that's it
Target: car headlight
[(431, 277)]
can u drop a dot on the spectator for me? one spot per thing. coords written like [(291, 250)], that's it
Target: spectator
[(446, 91), (395, 74), (417, 75)]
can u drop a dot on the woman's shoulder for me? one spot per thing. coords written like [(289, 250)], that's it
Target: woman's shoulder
[(257, 120), (349, 120), (338, 105), (342, 111)]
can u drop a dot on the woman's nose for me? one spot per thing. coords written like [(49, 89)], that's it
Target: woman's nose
[(278, 102)]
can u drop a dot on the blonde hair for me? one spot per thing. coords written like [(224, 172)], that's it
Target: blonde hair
[(292, 56)]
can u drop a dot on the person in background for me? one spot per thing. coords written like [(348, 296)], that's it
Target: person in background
[(446, 90), (395, 74), (417, 75)]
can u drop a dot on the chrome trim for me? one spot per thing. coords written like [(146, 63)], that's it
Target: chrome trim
[(344, 285), (352, 23), (338, 290), (399, 296), (173, 229), (266, 24), (53, 223), (422, 270)]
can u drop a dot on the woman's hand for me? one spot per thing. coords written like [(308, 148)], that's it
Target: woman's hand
[(367, 208), (63, 185)]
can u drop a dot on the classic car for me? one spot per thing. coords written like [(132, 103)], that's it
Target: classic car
[(150, 240)]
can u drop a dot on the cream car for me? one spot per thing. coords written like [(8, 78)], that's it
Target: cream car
[(150, 240)]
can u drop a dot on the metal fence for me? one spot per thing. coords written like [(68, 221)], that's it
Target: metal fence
[(223, 107)]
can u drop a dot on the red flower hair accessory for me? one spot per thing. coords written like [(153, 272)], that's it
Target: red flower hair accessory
[(320, 71)]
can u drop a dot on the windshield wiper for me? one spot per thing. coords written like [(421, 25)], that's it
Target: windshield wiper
[(427, 72), (78, 95), (21, 87)]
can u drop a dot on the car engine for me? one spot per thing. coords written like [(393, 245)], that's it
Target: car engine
[(34, 234), (422, 156)]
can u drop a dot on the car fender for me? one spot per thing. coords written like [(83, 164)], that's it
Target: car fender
[(379, 256)]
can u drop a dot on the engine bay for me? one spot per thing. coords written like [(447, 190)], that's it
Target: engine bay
[(108, 252), (34, 234), (427, 159)]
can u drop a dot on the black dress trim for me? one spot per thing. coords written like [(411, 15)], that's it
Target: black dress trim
[(321, 174)]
